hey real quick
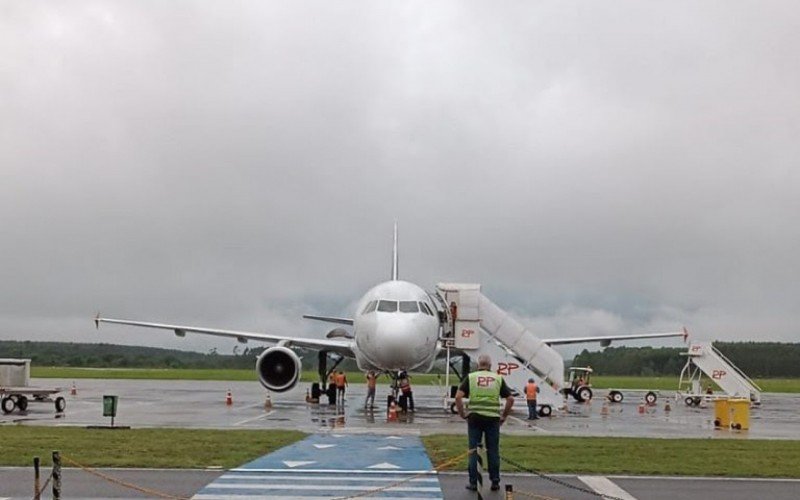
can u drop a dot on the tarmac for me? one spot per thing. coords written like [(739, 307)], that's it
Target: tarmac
[(201, 404)]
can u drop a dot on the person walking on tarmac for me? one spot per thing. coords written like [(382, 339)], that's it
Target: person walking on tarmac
[(341, 384), (531, 390), (372, 381), (405, 390), (484, 388)]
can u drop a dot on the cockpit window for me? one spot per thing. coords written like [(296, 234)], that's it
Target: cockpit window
[(408, 306), (370, 307), (424, 308), (387, 306)]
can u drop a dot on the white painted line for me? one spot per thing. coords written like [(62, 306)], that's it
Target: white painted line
[(323, 446), (390, 447), (605, 487), (301, 477), (384, 465), (527, 423), (294, 497), (298, 463), (340, 471), (314, 487), (248, 420), (393, 437)]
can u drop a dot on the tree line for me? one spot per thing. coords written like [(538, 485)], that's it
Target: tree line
[(756, 359)]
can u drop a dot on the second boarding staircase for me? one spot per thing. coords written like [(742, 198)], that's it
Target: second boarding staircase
[(721, 370), (481, 327)]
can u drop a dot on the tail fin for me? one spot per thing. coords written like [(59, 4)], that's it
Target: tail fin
[(394, 255)]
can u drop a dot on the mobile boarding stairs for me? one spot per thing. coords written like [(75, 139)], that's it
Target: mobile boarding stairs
[(481, 327), (704, 358)]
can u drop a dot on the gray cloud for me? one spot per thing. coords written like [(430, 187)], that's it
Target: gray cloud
[(596, 167)]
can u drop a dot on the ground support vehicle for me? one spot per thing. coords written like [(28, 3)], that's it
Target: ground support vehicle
[(579, 385), (618, 395), (18, 398)]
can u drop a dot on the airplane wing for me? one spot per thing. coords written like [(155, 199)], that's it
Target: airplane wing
[(605, 340), (341, 346), (330, 319)]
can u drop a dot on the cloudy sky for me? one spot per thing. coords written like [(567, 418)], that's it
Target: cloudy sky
[(599, 167)]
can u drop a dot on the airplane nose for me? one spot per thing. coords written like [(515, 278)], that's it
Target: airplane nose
[(398, 344)]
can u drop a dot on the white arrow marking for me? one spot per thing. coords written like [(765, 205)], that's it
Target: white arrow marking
[(390, 447), (384, 465), (292, 464), (337, 435), (323, 446), (393, 437)]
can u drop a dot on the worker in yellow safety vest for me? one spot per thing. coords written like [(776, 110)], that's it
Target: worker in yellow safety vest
[(484, 388), (531, 390)]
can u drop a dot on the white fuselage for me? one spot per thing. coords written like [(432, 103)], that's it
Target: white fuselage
[(396, 328)]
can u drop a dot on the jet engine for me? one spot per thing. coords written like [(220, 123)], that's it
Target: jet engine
[(278, 368)]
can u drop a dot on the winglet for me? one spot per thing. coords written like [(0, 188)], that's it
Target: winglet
[(97, 321), (685, 334)]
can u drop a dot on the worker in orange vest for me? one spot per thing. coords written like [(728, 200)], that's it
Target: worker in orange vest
[(531, 390), (341, 383), (372, 381), (405, 390)]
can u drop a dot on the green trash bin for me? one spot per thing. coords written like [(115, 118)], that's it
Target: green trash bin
[(110, 406)]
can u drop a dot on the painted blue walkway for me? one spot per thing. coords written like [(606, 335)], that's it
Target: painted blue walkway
[(333, 466)]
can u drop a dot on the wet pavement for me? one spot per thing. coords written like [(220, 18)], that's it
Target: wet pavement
[(201, 404)]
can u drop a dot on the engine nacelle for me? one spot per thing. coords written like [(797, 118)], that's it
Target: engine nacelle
[(278, 369)]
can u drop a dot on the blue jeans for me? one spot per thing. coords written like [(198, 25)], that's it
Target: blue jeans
[(478, 427), (532, 409)]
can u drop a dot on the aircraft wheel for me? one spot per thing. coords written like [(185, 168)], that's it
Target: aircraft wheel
[(545, 411), (650, 398), (584, 394), (22, 403), (616, 397), (60, 403), (453, 409), (697, 400), (689, 401), (8, 405)]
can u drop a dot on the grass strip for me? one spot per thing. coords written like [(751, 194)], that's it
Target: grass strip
[(635, 456), (147, 448)]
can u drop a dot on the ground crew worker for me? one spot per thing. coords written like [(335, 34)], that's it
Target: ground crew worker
[(341, 384), (372, 381), (405, 389), (453, 315), (331, 391), (484, 388), (531, 390)]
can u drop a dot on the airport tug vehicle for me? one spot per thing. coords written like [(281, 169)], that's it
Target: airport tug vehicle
[(579, 384)]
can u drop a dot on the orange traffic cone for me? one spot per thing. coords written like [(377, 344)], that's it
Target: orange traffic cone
[(74, 390), (267, 403), (641, 407), (229, 398), (392, 411), (667, 407), (604, 409)]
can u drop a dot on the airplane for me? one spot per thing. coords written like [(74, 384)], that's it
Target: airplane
[(397, 328)]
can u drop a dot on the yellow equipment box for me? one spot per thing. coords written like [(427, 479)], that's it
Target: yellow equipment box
[(740, 413), (722, 414)]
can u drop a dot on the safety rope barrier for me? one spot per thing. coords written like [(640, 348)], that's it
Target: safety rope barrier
[(119, 482), (38, 493), (554, 480), (441, 465)]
